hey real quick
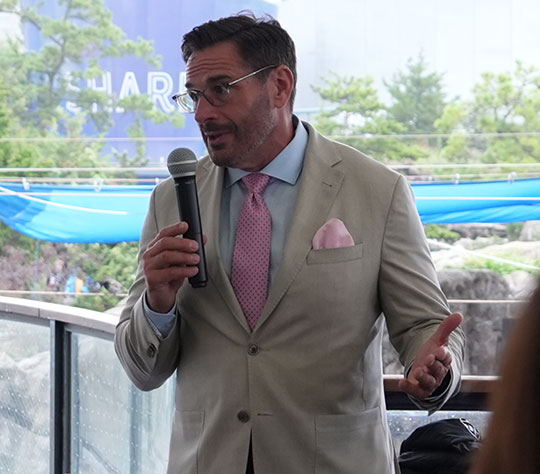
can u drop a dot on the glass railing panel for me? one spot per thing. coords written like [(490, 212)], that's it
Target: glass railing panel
[(24, 398), (115, 427)]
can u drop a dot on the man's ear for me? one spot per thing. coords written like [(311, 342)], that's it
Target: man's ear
[(283, 85)]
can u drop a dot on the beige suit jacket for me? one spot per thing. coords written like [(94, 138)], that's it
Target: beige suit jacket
[(306, 385)]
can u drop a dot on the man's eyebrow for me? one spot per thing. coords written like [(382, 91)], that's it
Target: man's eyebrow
[(211, 80)]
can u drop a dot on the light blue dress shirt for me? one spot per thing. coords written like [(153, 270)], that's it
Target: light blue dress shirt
[(280, 198)]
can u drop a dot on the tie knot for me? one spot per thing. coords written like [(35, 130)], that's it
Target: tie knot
[(256, 182)]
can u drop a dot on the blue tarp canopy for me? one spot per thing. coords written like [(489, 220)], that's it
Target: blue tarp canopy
[(489, 202), (76, 214), (110, 214)]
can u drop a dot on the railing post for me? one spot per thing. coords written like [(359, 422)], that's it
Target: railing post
[(60, 420), (135, 415)]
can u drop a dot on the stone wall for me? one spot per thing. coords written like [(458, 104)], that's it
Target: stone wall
[(485, 324)]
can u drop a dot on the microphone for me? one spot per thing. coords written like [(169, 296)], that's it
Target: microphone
[(182, 163)]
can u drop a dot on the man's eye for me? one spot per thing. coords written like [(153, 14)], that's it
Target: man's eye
[(194, 95), (219, 90)]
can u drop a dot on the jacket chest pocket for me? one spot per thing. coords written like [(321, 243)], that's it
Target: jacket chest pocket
[(337, 255)]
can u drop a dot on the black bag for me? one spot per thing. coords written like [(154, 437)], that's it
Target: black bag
[(442, 447)]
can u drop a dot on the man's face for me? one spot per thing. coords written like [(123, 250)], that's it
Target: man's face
[(238, 134)]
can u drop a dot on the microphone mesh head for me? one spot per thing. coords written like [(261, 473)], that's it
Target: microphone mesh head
[(181, 162)]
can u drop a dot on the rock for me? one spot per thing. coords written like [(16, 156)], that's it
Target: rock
[(484, 323), (473, 231), (473, 284), (479, 242), (521, 284), (530, 231)]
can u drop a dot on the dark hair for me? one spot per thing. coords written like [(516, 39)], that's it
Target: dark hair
[(260, 41)]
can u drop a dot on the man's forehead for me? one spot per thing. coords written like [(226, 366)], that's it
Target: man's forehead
[(218, 61)]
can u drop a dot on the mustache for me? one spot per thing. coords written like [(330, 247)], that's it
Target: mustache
[(211, 127)]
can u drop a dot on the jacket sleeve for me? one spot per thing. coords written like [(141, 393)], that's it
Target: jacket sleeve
[(148, 359), (411, 298)]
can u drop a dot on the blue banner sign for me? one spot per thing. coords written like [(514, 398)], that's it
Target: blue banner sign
[(164, 23)]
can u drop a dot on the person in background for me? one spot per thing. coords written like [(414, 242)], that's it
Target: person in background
[(312, 247), (512, 440)]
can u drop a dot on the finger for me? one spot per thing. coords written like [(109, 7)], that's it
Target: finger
[(438, 370), (171, 244), (179, 228), (172, 274), (447, 326), (171, 258), (443, 355), (412, 389), (422, 363), (426, 381), (447, 360)]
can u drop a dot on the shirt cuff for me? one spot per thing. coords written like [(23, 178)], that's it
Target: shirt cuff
[(161, 323)]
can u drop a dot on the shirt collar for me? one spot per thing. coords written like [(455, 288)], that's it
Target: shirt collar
[(286, 166)]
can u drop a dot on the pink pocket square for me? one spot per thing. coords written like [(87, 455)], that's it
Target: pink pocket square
[(332, 235)]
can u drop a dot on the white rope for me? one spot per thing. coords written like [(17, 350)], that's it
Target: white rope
[(482, 255), (57, 204), (99, 139), (368, 136), (18, 179), (365, 136), (85, 194), (476, 198), (470, 165), (82, 169), (4, 191), (487, 301), (58, 293)]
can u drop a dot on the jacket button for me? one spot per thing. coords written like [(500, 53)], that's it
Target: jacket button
[(243, 416), (151, 350), (253, 349)]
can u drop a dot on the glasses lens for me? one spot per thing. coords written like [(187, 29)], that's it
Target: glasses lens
[(218, 94), (185, 102)]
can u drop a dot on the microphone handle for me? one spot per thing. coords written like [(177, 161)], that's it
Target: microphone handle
[(188, 206)]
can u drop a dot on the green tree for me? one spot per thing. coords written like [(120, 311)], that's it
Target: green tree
[(38, 84), (357, 117), (34, 89), (104, 263), (494, 126), (418, 99)]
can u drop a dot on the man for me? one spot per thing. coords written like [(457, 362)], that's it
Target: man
[(292, 384)]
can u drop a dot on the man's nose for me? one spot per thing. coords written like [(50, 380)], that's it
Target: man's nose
[(204, 110)]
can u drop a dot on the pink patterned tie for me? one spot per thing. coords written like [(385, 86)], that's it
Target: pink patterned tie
[(251, 256)]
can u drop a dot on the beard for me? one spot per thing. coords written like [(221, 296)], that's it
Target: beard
[(244, 147)]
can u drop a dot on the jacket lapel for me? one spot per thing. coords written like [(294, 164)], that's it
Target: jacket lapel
[(320, 183), (210, 187)]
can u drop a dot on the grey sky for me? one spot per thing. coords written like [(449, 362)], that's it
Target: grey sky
[(460, 38)]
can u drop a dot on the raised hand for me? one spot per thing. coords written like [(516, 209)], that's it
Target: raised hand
[(432, 362)]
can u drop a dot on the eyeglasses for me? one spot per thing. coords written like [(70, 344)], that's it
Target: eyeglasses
[(217, 94)]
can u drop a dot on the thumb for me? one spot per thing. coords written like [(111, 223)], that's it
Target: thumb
[(447, 326)]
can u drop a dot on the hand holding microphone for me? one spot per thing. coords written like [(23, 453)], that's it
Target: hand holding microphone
[(168, 260), (182, 164)]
